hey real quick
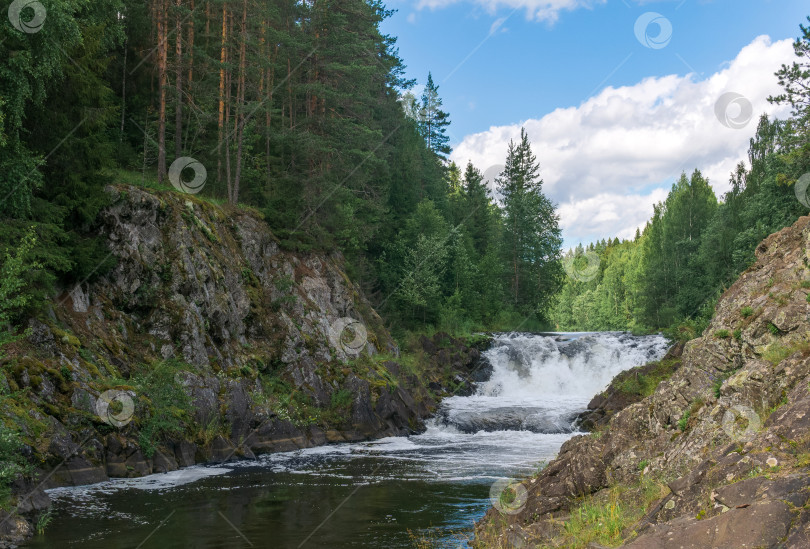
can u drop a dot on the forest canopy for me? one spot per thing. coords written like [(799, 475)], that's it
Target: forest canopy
[(302, 111)]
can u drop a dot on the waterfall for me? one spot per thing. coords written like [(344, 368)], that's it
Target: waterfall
[(540, 382)]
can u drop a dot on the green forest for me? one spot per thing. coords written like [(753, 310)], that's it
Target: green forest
[(301, 111), (672, 273), (296, 109)]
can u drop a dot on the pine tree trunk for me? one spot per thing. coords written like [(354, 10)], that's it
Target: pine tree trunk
[(124, 89), (163, 54), (145, 146), (240, 100), (222, 59), (271, 74), (228, 133), (178, 82), (191, 48)]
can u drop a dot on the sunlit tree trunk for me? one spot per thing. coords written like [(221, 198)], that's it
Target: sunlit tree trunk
[(163, 54)]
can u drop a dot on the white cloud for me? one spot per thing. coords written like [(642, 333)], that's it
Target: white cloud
[(600, 160), (540, 10)]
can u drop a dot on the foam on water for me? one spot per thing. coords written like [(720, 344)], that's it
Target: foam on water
[(514, 421), (158, 481)]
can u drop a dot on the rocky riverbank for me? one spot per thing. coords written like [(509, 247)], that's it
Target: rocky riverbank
[(208, 341), (717, 455)]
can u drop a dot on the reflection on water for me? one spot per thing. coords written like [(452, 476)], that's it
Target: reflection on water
[(370, 495)]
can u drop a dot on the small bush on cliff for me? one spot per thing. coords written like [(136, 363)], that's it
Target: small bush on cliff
[(12, 463), (342, 400), (684, 421), (163, 404)]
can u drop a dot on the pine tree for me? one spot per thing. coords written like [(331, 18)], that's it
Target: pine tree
[(794, 80), (532, 237), (433, 121), (478, 208)]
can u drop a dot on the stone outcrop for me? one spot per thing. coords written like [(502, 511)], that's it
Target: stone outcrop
[(726, 436), (271, 350)]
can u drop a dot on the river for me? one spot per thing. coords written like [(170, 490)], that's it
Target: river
[(376, 494)]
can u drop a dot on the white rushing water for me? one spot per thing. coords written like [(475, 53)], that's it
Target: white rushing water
[(442, 478), (516, 420)]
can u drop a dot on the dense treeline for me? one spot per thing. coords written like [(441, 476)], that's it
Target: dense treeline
[(695, 246), (298, 109)]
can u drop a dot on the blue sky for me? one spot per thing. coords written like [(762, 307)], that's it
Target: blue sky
[(582, 59)]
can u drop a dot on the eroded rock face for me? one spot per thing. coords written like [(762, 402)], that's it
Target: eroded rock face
[(257, 334), (728, 432)]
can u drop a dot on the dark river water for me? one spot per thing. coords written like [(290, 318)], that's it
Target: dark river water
[(380, 494)]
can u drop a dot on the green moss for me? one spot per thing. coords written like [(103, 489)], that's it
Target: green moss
[(746, 311), (722, 334)]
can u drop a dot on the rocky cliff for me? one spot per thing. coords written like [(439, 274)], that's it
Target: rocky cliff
[(207, 341), (718, 455)]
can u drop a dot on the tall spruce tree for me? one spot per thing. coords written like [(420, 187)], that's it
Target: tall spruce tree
[(532, 236)]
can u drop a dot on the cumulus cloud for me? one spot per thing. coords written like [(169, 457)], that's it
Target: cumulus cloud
[(606, 161), (540, 10)]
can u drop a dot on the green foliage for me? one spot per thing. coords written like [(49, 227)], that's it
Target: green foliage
[(342, 400), (12, 462), (43, 520), (163, 406), (684, 421), (773, 329), (722, 334), (603, 517), (777, 351), (669, 277), (14, 285), (433, 121), (532, 237), (793, 79), (643, 381)]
